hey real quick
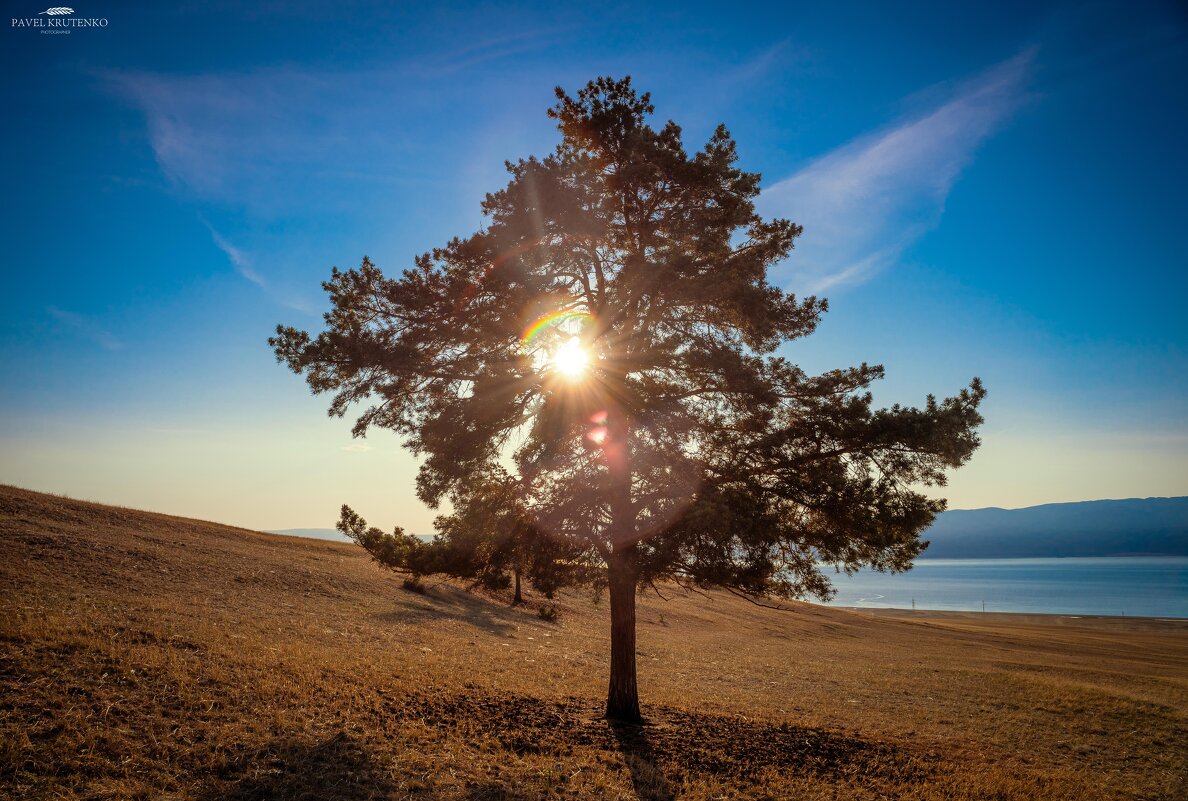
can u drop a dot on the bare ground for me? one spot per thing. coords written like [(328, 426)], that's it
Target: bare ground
[(147, 656)]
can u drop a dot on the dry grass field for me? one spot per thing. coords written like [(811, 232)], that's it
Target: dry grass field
[(146, 656)]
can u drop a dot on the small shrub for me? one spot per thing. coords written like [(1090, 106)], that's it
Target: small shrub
[(549, 614), (414, 584), (495, 581)]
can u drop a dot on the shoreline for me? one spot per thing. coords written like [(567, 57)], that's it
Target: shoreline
[(1014, 617)]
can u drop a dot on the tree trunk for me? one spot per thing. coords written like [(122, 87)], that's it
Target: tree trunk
[(519, 599), (622, 698)]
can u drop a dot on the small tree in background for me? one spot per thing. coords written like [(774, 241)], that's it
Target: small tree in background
[(592, 382)]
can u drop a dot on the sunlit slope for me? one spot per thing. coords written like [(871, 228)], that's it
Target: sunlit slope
[(147, 655)]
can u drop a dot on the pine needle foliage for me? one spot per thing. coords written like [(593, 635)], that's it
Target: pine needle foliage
[(691, 451)]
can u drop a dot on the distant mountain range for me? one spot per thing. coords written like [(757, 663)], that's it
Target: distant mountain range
[(1155, 526), (314, 533), (1149, 526), (324, 534)]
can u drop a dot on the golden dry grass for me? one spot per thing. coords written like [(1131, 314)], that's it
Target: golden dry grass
[(146, 656)]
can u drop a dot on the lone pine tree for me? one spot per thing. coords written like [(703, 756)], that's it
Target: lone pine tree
[(591, 381)]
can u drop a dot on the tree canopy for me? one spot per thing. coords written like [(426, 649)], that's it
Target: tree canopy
[(594, 382)]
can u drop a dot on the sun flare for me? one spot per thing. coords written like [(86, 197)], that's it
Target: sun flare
[(571, 359)]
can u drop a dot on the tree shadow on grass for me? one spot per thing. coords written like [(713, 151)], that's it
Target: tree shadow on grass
[(647, 777), (290, 770), (457, 604), (679, 745), (492, 791)]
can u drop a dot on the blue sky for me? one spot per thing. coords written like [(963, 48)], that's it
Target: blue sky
[(992, 189)]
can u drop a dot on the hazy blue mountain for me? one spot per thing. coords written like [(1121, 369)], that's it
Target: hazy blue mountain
[(1089, 528), (315, 533), (324, 534)]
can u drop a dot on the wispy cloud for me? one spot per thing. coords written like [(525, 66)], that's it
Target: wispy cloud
[(239, 259), (358, 447), (288, 138), (490, 49), (87, 327), (301, 149), (255, 139), (863, 204), (758, 65)]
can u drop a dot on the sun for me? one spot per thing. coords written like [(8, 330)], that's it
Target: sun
[(571, 359)]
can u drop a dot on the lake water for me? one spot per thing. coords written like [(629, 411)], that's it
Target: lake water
[(1135, 586)]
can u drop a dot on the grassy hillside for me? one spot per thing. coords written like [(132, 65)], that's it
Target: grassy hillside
[(146, 656)]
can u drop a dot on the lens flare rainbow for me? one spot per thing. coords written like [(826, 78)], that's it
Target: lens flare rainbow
[(553, 319)]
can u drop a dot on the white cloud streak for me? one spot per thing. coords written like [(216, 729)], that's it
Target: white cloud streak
[(239, 260), (255, 139), (863, 204), (86, 327), (260, 140)]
